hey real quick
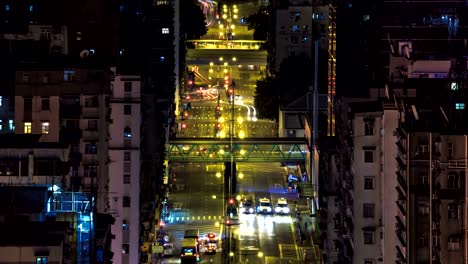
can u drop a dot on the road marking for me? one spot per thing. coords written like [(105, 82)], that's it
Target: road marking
[(294, 237), (288, 251)]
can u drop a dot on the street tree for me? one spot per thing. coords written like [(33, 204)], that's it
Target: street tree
[(290, 83), (193, 21), (260, 23)]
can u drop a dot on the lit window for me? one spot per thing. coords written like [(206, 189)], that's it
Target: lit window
[(27, 127), (454, 86), (125, 249), (165, 30), (1, 99), (1, 125), (7, 8), (11, 125), (45, 128), (124, 224), (460, 106), (121, 8), (31, 8), (41, 260)]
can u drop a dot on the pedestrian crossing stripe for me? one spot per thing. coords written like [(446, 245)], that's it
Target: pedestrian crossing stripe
[(173, 219), (288, 251)]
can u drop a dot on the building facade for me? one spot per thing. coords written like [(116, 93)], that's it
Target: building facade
[(69, 105), (124, 167)]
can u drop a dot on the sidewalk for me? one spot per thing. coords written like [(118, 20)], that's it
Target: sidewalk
[(307, 232)]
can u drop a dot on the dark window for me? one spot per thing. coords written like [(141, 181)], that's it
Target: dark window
[(92, 101), (369, 128), (368, 183), (90, 171), (27, 104), (127, 156), (126, 201), (45, 103), (453, 211), (423, 241), (127, 167), (92, 125), (126, 178), (452, 181), (368, 261), (368, 237), (90, 149), (128, 86), (127, 109), (368, 210), (368, 156)]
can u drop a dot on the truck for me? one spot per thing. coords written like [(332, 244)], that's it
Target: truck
[(189, 251)]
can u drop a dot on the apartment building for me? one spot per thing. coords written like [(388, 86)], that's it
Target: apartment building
[(69, 105), (124, 168)]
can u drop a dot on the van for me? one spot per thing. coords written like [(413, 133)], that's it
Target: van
[(189, 251)]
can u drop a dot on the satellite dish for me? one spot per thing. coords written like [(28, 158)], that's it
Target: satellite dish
[(84, 53)]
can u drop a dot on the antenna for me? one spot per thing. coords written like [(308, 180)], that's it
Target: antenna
[(84, 53), (415, 112), (443, 113)]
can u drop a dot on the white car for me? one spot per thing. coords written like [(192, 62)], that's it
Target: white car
[(264, 206), (282, 207)]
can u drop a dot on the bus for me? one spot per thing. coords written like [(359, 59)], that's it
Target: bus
[(189, 252)]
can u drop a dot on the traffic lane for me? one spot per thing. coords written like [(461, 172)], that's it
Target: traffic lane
[(265, 181)]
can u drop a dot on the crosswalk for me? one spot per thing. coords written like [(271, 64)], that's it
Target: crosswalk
[(200, 218)]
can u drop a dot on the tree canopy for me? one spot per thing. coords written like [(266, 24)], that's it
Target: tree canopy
[(290, 83), (193, 21), (260, 23)]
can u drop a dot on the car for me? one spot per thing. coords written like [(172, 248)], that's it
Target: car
[(211, 243), (282, 207), (247, 206), (264, 207), (168, 250)]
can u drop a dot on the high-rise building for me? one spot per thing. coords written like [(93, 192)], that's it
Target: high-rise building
[(124, 167)]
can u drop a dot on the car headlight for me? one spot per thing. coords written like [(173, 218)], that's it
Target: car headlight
[(268, 209), (251, 210), (286, 210), (277, 209)]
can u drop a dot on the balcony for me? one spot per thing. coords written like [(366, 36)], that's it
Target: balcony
[(90, 159), (452, 194), (70, 111), (90, 135), (401, 254), (400, 146), (456, 164), (90, 112), (401, 160), (402, 206), (401, 236), (400, 221), (402, 181), (70, 135)]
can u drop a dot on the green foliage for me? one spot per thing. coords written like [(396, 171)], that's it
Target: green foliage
[(290, 83), (266, 98), (193, 21), (260, 22)]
